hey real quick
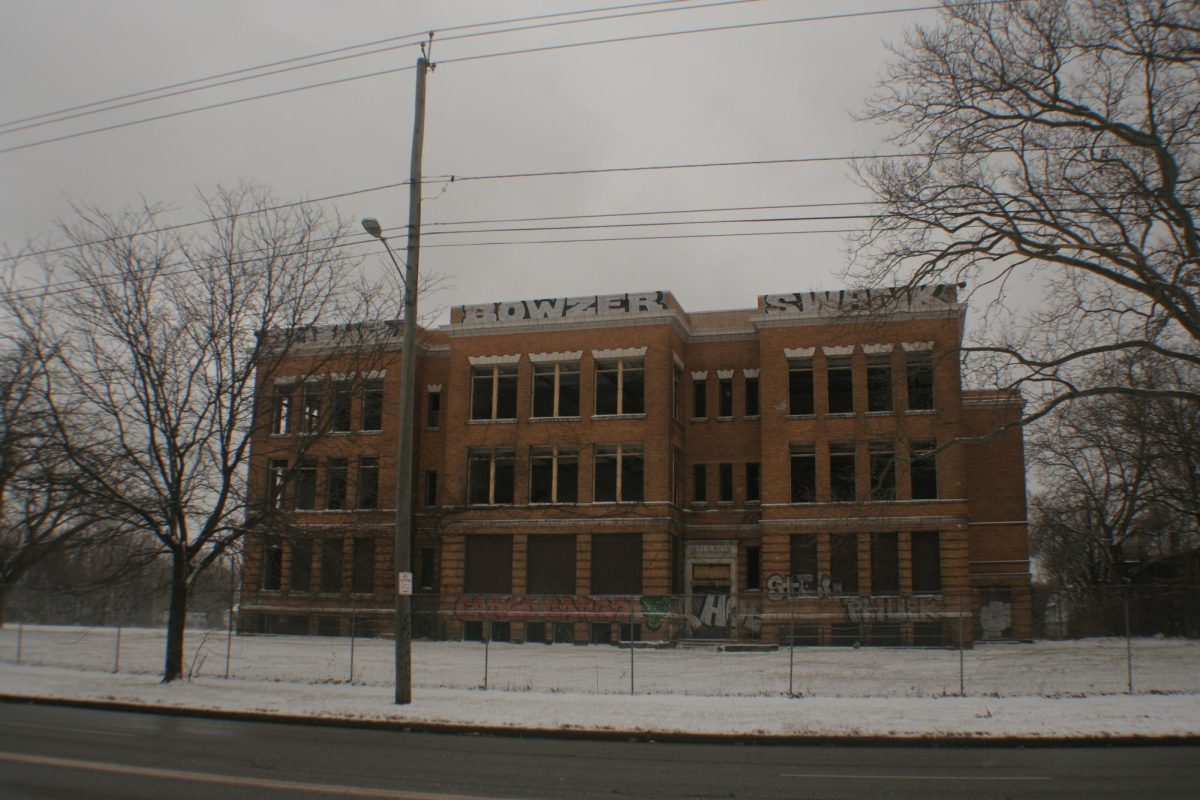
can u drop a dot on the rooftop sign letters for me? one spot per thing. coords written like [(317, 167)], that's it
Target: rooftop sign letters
[(564, 307), (899, 298)]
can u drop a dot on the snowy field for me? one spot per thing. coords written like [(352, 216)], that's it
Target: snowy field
[(1044, 669), (1027, 691)]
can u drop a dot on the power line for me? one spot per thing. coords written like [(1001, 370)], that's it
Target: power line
[(188, 88), (524, 51), (319, 54)]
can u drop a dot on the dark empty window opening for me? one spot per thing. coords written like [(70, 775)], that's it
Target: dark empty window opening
[(431, 488), (841, 473), (883, 471), (879, 383), (600, 633), (753, 567), (306, 486), (487, 564), (617, 563), (556, 390), (920, 381), (620, 386), (699, 483), (618, 473), (885, 563), (752, 397), (473, 631), (843, 563), (433, 410), (840, 378), (427, 579), (300, 579), (699, 398), (800, 387), (343, 402), (336, 483), (676, 393), (490, 476), (725, 483), (923, 470), (804, 473), (725, 397), (926, 562), (372, 405), (362, 579), (272, 573), (368, 482), (331, 566), (803, 563), (493, 393), (553, 474), (551, 564), (753, 482)]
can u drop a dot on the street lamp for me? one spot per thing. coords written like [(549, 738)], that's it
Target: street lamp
[(404, 465)]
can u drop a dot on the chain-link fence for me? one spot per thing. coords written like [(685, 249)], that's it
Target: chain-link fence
[(983, 643)]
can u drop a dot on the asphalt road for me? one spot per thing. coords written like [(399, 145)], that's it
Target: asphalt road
[(58, 752)]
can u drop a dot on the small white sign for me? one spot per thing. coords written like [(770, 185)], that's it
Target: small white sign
[(404, 583)]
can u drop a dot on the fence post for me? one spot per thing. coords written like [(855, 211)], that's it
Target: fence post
[(631, 648), (962, 686), (1128, 641), (228, 642), (353, 634), (20, 638), (117, 655), (791, 641)]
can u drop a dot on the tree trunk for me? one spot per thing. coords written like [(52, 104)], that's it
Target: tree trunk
[(176, 618)]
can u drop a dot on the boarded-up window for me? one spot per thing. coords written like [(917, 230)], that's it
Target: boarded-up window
[(363, 574), (885, 563), (306, 486), (753, 489), (923, 470), (725, 483), (301, 573), (804, 559), (331, 565), (926, 562), (488, 564), (428, 577), (843, 562), (617, 563), (753, 567), (551, 564), (699, 483), (335, 483)]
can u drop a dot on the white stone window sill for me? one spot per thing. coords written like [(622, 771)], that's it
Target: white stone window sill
[(555, 419), (917, 412), (505, 421), (641, 415)]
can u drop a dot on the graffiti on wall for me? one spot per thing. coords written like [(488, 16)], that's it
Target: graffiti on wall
[(567, 608), (712, 613), (890, 609), (806, 585)]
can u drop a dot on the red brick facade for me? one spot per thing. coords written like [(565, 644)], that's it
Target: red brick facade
[(612, 466)]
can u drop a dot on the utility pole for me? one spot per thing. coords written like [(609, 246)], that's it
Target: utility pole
[(408, 399)]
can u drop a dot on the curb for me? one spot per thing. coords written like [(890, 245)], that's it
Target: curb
[(593, 734)]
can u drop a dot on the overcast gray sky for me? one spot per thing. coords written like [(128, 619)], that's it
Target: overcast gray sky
[(782, 91)]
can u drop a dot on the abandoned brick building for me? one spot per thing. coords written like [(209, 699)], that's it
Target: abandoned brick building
[(614, 467)]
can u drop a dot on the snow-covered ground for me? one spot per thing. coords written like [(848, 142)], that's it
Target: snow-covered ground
[(1012, 690)]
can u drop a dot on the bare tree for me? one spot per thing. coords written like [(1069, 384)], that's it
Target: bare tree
[(1118, 482), (1052, 141), (159, 335), (44, 506)]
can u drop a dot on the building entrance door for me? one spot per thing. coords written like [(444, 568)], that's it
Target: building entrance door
[(711, 578)]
